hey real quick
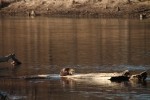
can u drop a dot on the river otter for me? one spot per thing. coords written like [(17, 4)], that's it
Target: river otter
[(123, 76), (126, 76), (6, 58), (126, 73), (14, 62), (67, 71), (139, 77)]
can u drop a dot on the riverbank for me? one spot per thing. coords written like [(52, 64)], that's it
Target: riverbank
[(78, 8)]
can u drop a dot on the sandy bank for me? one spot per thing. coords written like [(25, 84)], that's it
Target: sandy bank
[(77, 8)]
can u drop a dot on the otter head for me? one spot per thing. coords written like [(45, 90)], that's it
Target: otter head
[(143, 75), (67, 71), (15, 63), (126, 73)]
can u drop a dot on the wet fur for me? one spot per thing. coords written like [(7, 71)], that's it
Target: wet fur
[(6, 58), (12, 57), (66, 71), (139, 77), (123, 76)]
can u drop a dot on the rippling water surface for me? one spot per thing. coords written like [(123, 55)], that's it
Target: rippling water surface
[(46, 45)]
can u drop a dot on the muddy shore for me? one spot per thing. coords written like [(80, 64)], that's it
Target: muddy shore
[(113, 9)]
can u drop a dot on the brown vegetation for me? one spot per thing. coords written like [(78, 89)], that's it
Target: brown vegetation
[(77, 8)]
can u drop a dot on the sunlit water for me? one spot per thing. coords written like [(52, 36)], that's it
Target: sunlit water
[(46, 45)]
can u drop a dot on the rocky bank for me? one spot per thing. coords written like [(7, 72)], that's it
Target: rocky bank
[(76, 8)]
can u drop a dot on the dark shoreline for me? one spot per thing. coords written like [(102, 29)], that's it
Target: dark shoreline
[(77, 14)]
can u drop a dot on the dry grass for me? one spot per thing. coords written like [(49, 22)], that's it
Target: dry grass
[(96, 8)]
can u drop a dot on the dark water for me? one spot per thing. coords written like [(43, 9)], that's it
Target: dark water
[(46, 45)]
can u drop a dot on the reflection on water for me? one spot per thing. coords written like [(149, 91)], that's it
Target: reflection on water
[(54, 41), (74, 90), (45, 45)]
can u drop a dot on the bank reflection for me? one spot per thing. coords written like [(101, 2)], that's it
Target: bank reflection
[(63, 42)]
